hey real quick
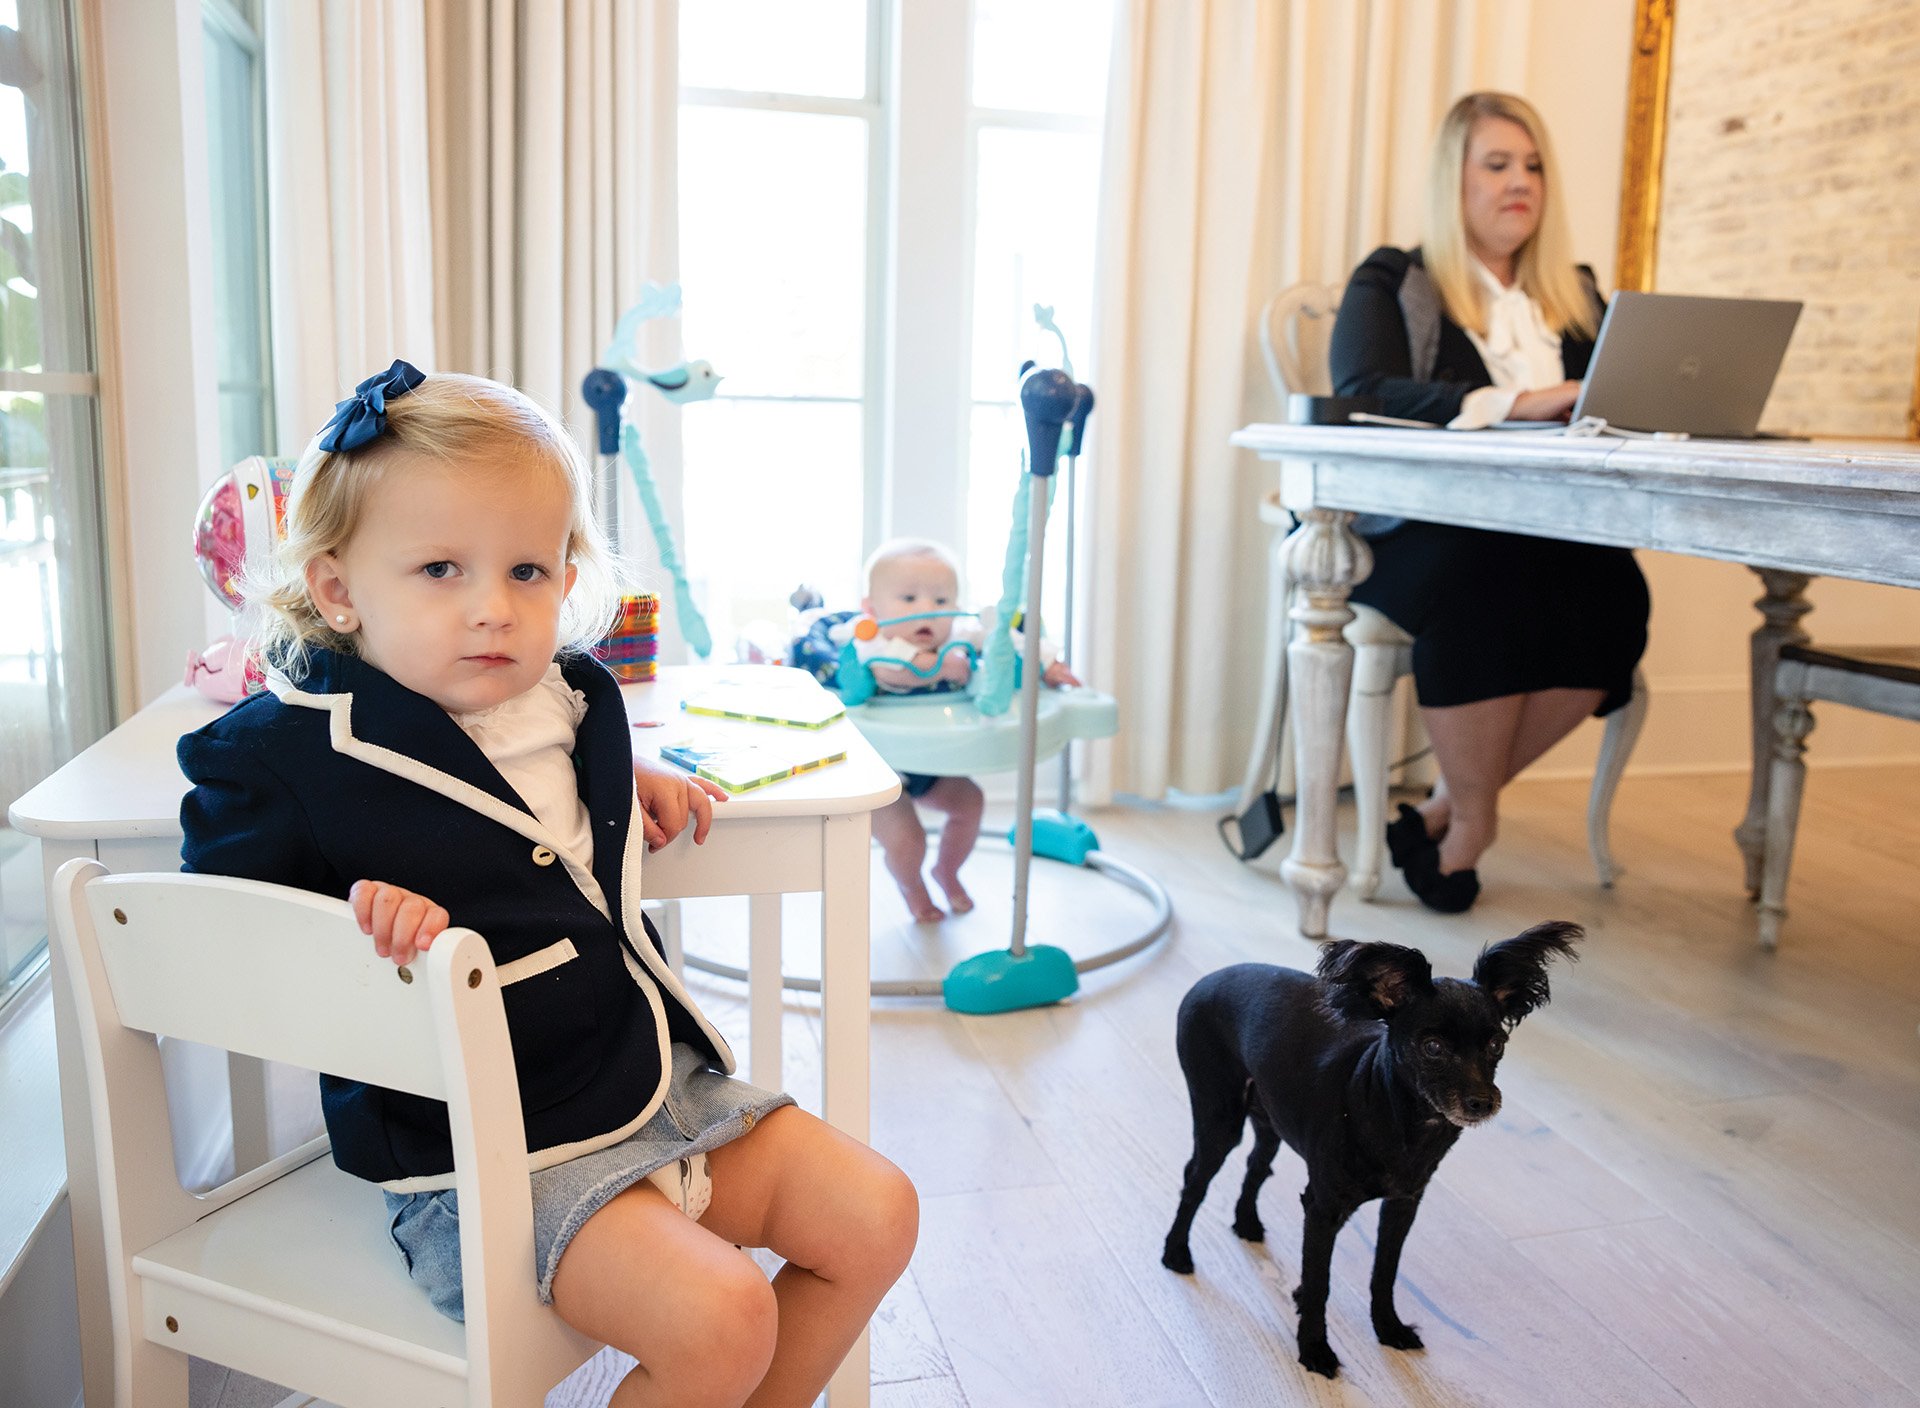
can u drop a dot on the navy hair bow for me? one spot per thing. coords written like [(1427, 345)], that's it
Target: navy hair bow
[(363, 415)]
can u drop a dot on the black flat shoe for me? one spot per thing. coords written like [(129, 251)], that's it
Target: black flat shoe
[(1449, 894), (1408, 835)]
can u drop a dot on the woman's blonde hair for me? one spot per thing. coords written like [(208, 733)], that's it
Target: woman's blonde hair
[(455, 419), (1543, 266)]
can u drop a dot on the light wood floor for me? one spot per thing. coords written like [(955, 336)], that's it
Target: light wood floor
[(1703, 1188)]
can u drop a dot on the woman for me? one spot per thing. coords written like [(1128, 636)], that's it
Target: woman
[(1516, 640)]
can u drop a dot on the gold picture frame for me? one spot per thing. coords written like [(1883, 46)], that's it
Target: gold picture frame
[(1646, 144)]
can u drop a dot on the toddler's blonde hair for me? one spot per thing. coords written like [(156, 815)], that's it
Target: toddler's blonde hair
[(452, 418), (903, 549)]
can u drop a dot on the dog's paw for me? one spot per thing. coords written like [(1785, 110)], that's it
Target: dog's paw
[(1319, 1358), (1177, 1258), (1397, 1334), (1249, 1227)]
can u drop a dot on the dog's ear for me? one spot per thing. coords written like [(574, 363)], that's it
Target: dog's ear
[(1369, 982), (1513, 972)]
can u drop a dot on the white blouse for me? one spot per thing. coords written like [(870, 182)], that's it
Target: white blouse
[(1521, 352), (529, 738)]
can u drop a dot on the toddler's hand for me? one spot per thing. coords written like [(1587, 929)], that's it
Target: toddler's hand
[(956, 667), (668, 797), (1059, 676), (403, 924)]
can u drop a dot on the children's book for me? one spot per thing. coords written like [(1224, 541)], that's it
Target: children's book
[(741, 767), (768, 696)]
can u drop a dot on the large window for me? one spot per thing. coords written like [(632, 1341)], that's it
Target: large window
[(873, 196), (55, 693), (779, 125), (1039, 85)]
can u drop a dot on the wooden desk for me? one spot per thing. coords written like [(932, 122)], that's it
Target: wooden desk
[(119, 802), (1789, 510)]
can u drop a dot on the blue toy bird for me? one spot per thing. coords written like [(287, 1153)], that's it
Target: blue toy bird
[(690, 381)]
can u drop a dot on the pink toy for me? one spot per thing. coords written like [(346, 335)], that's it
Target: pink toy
[(225, 672)]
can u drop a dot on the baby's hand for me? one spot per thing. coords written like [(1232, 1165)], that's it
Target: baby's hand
[(402, 923), (668, 797), (956, 667), (1059, 676)]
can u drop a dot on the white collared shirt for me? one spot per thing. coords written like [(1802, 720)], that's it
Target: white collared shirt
[(529, 738), (1521, 352)]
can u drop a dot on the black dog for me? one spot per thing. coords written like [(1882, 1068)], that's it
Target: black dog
[(1369, 1073)]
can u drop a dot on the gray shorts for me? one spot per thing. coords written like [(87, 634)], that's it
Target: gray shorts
[(703, 1110)]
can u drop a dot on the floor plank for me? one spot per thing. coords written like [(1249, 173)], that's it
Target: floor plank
[(1712, 1330)]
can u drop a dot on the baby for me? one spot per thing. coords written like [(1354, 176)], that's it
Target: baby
[(908, 577)]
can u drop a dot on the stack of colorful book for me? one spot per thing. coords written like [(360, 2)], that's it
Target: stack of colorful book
[(630, 648)]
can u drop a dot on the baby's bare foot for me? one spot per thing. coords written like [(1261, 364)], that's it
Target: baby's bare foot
[(957, 895), (919, 903)]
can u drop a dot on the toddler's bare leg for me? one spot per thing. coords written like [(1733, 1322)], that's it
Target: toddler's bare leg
[(687, 1303), (903, 841), (844, 1219), (961, 799)]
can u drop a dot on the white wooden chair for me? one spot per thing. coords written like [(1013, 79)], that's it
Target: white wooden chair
[(1295, 328), (1884, 679), (286, 1272)]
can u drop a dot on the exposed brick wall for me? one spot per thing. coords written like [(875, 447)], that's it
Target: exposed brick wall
[(1793, 171)]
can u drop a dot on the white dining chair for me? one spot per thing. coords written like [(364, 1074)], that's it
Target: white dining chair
[(286, 1272), (1295, 329), (1883, 679)]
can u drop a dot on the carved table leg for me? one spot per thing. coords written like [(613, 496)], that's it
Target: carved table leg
[(1783, 605), (1325, 560), (1792, 722)]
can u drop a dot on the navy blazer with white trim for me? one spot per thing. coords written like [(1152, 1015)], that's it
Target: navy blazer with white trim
[(350, 775)]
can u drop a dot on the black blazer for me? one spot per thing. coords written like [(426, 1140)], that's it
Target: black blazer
[(350, 775), (1369, 353)]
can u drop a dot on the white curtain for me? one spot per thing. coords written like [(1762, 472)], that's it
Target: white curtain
[(349, 209), (1251, 144), (553, 131)]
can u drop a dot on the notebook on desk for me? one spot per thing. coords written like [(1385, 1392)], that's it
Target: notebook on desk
[(1685, 364), (741, 767)]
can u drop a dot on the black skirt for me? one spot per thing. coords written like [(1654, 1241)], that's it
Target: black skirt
[(1493, 614)]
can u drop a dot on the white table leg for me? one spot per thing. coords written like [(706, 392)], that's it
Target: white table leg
[(1325, 559), (1273, 680), (764, 1002), (1782, 606), (845, 979)]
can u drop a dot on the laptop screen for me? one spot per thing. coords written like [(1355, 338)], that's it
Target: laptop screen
[(1680, 362)]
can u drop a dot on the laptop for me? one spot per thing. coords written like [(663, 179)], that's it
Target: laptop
[(1681, 363)]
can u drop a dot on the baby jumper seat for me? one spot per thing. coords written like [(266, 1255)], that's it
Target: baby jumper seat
[(948, 736)]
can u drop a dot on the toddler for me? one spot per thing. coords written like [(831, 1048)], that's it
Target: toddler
[(907, 577), (437, 748)]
